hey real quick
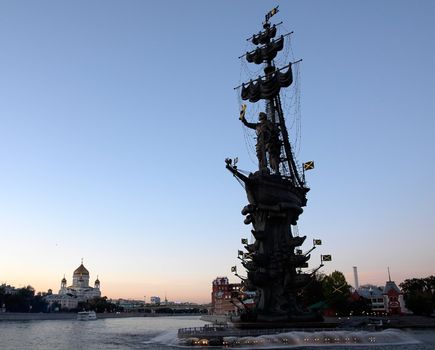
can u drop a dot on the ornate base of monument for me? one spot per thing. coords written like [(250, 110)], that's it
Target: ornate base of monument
[(273, 263), (276, 319), (300, 334), (285, 325)]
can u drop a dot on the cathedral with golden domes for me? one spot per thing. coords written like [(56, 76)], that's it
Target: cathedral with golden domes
[(80, 291)]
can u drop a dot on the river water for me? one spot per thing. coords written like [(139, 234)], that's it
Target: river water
[(161, 333)]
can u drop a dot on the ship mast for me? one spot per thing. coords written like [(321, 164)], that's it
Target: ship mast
[(268, 86)]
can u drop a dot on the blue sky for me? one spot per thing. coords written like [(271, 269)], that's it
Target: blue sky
[(116, 118)]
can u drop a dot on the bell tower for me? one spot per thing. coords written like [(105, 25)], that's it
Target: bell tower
[(97, 284)]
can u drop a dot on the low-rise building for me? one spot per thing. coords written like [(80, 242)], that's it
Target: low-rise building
[(387, 299), (155, 300), (224, 297), (393, 299), (129, 305), (375, 296)]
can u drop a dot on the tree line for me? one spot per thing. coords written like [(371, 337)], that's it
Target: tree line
[(22, 300), (419, 295), (333, 292)]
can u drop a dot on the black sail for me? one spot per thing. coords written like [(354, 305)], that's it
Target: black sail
[(264, 37), (265, 53), (268, 87)]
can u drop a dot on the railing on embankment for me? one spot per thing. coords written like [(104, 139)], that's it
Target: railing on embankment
[(217, 332)]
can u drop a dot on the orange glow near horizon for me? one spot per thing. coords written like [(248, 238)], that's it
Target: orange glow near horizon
[(192, 290)]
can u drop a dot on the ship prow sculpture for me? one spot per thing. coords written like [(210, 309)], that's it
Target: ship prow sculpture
[(276, 193)]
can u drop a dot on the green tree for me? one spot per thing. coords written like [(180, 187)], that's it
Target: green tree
[(419, 295), (360, 306), (23, 300), (98, 304), (313, 292), (337, 292)]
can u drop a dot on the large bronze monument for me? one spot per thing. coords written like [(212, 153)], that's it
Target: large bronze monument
[(276, 194)]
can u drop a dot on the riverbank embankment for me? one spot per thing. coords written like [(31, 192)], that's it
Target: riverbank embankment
[(392, 321), (18, 316)]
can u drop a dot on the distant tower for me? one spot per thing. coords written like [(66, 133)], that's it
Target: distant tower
[(63, 283), (355, 276), (97, 284)]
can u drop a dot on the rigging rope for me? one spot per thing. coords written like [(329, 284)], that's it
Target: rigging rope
[(240, 182), (290, 98), (291, 101)]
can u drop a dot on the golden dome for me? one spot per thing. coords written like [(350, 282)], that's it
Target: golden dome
[(81, 270)]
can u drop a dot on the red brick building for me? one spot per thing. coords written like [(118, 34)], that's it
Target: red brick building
[(224, 296), (393, 298)]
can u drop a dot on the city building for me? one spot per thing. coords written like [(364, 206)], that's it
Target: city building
[(155, 300), (393, 298), (374, 295), (224, 297), (129, 305), (387, 299), (80, 290)]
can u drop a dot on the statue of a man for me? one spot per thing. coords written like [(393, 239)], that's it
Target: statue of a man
[(267, 141)]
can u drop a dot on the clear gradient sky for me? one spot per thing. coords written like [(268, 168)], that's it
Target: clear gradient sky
[(116, 118)]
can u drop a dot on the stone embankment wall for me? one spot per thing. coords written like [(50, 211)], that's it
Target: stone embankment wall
[(17, 316)]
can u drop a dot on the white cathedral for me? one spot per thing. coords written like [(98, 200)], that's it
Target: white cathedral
[(79, 291)]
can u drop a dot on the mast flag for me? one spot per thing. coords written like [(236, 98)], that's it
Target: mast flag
[(271, 13), (247, 256), (309, 165)]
